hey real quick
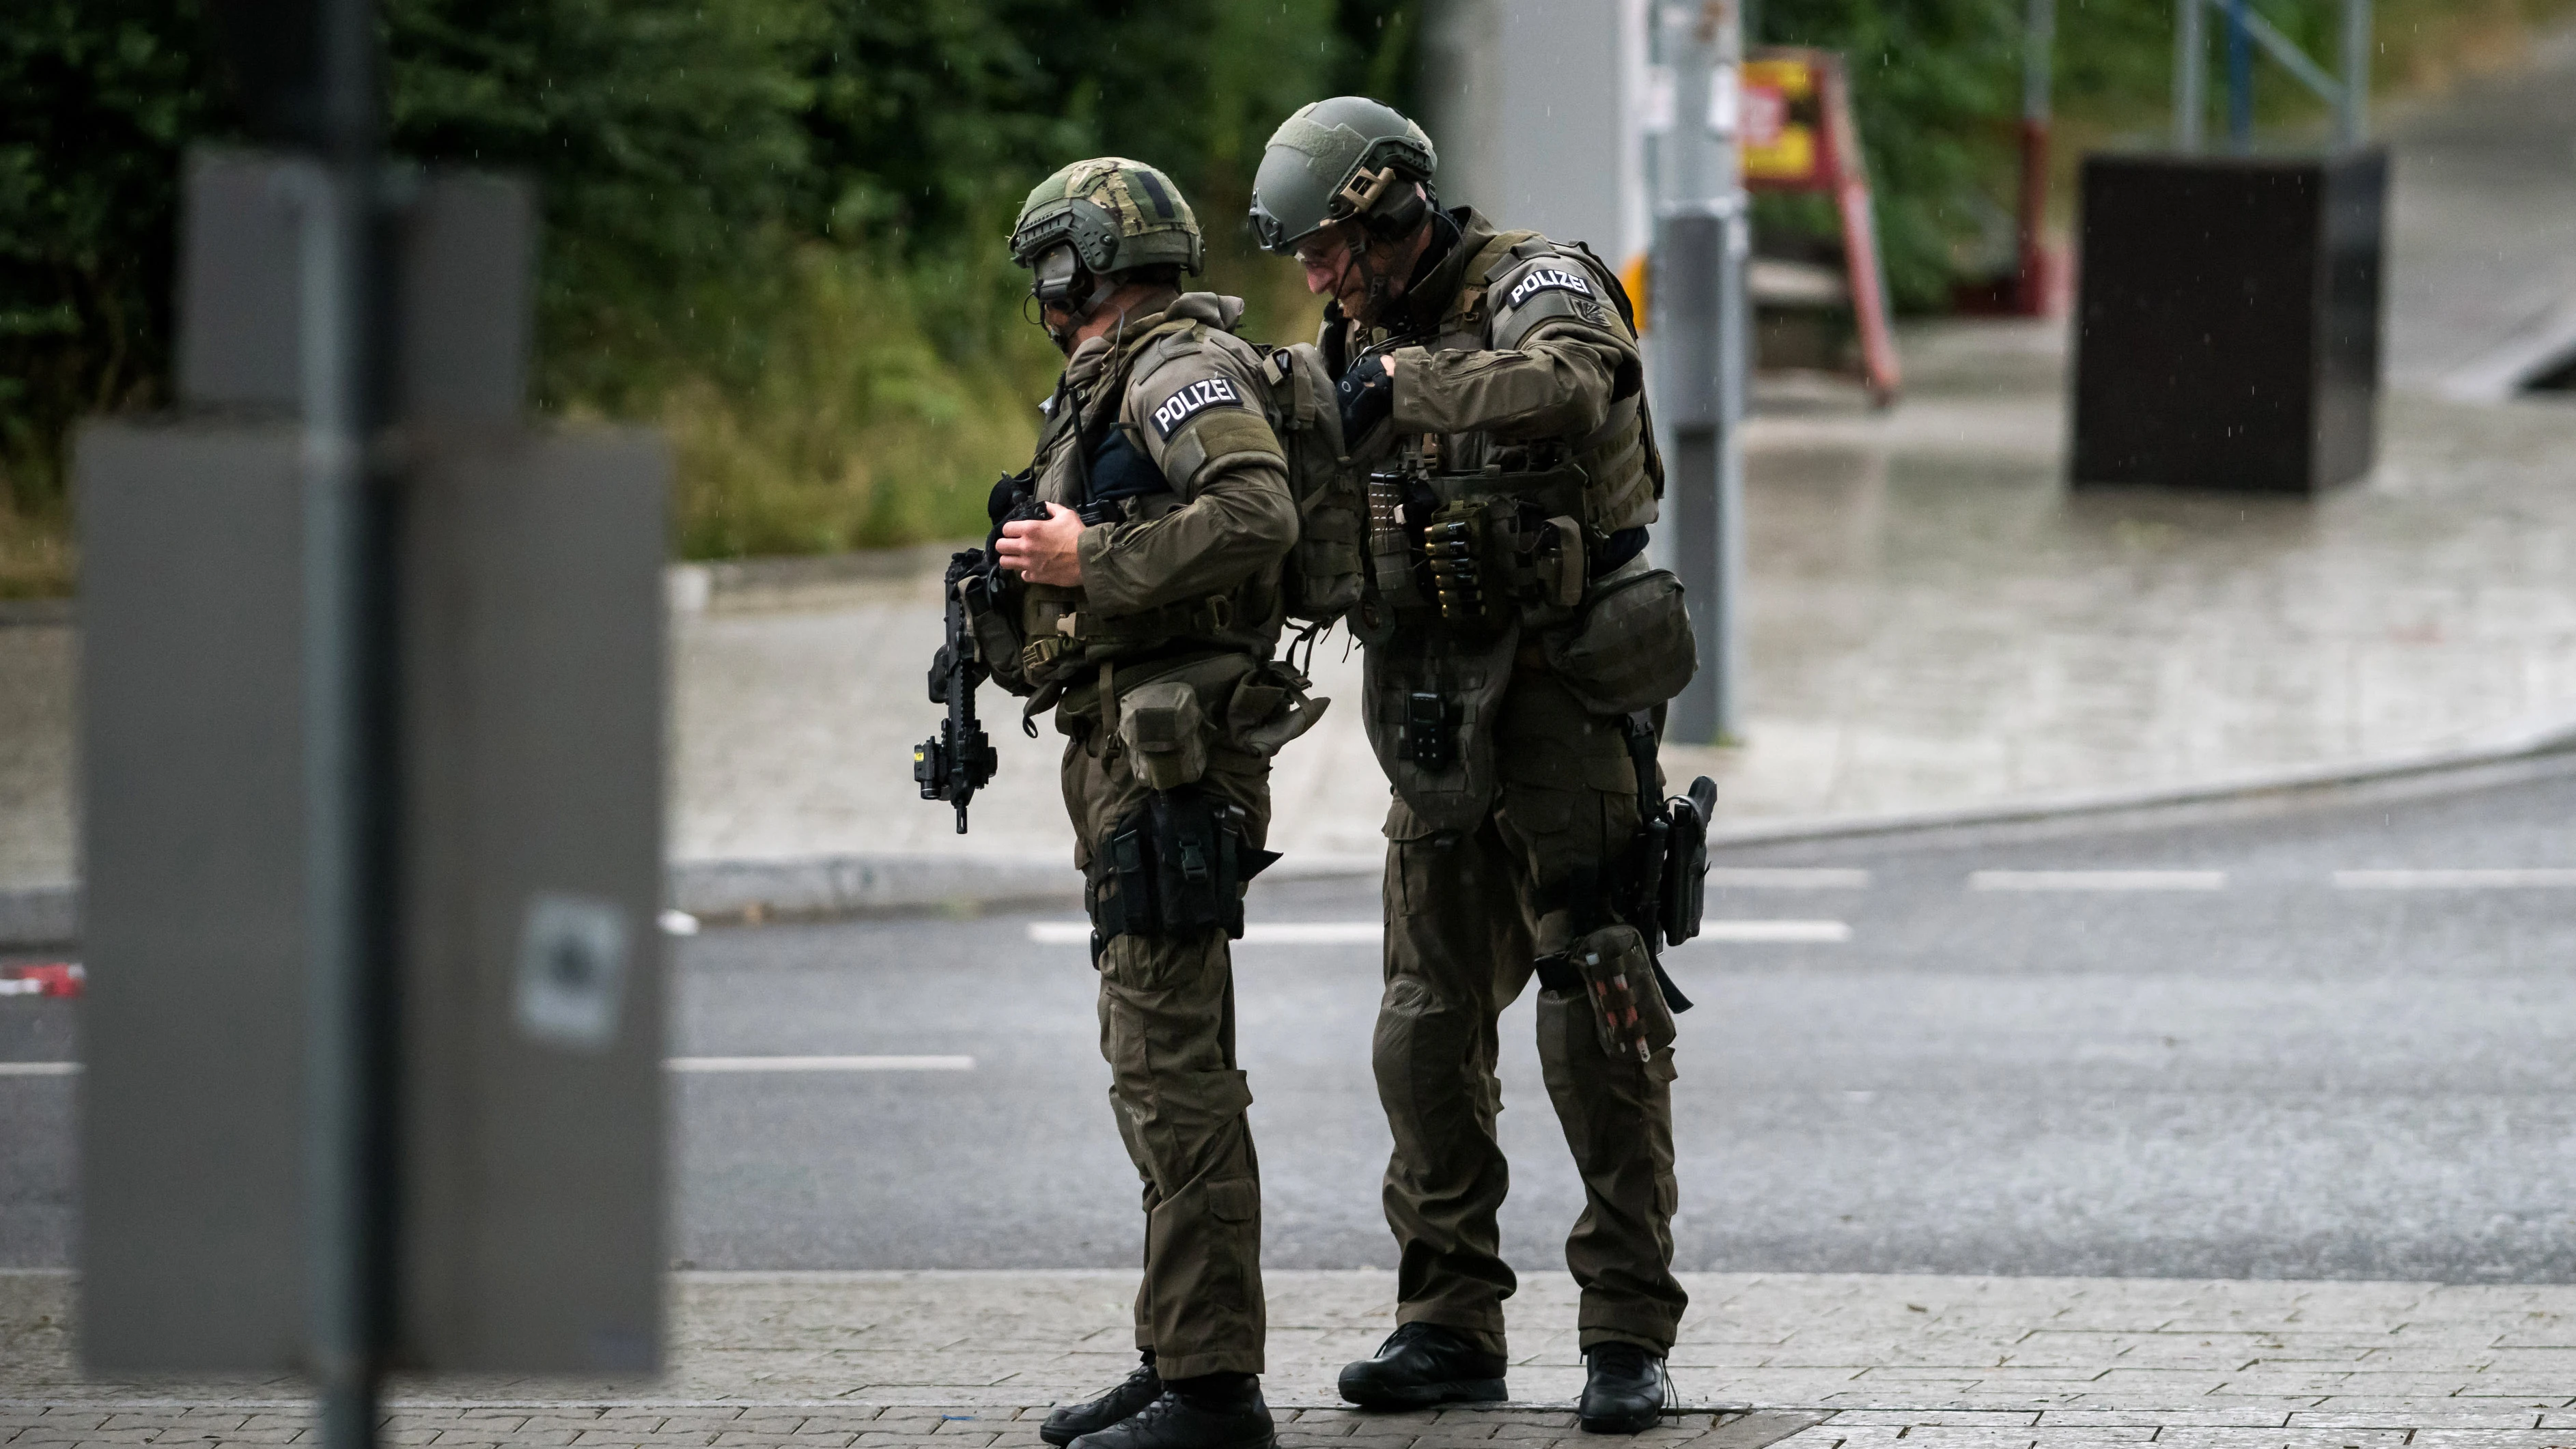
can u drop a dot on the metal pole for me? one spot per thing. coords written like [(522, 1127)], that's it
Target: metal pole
[(2352, 112), (1700, 241), (2039, 39), (2191, 63), (1735, 368), (2240, 80), (346, 782)]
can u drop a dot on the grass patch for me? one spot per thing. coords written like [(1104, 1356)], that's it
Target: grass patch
[(36, 555), (843, 423)]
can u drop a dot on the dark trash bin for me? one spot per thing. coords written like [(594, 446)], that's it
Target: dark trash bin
[(2227, 328)]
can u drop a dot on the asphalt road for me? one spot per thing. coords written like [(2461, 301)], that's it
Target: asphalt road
[(2235, 1064)]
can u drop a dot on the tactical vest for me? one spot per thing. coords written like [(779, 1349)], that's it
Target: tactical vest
[(1480, 547), (1063, 640), (1516, 528)]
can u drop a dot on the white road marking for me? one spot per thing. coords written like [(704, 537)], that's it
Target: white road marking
[(2455, 880), (1782, 932), (821, 1064), (1366, 933), (677, 1064), (1786, 878), (2098, 880), (1260, 933)]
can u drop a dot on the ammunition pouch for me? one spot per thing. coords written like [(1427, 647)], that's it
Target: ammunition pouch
[(1625, 987), (1480, 550), (1175, 866)]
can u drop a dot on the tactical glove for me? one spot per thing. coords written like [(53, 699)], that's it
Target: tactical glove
[(1367, 393)]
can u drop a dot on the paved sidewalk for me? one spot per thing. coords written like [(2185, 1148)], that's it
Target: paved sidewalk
[(920, 1360)]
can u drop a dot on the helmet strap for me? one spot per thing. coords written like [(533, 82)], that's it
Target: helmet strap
[(1093, 290)]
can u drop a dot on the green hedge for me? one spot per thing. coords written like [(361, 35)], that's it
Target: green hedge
[(775, 225)]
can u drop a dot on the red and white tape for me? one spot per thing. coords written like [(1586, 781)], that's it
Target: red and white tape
[(50, 978)]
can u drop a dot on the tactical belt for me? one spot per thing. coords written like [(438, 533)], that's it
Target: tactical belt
[(1187, 619)]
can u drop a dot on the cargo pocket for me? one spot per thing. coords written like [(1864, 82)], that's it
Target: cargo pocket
[(1538, 811), (1234, 1199)]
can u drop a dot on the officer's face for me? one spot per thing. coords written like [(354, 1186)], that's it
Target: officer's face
[(1326, 257)]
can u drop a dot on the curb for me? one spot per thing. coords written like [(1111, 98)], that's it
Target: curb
[(39, 917), (853, 885), (816, 887), (820, 887), (2511, 747)]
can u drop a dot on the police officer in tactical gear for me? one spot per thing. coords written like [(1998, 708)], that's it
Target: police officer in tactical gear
[(1519, 650), (1138, 596)]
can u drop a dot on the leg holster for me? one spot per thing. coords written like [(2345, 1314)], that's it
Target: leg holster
[(1596, 899), (1174, 866)]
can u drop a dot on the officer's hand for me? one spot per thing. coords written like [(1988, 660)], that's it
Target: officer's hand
[(1045, 551), (1367, 392)]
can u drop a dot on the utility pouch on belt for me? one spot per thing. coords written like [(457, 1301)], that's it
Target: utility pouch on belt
[(1176, 865), (1270, 707), (1628, 1008), (1165, 735), (1633, 646)]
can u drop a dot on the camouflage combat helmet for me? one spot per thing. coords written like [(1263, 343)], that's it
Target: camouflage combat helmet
[(1116, 213), (1331, 161)]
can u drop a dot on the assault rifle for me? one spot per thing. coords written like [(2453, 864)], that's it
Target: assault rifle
[(959, 760)]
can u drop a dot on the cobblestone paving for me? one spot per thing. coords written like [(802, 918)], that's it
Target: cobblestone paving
[(921, 1360)]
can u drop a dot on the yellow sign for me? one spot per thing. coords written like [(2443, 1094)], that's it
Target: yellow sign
[(1779, 122)]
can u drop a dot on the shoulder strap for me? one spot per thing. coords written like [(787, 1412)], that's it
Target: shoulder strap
[(1506, 250), (1490, 262)]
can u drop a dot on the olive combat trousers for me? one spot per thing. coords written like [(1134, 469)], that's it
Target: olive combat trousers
[(1465, 922), (1167, 1030)]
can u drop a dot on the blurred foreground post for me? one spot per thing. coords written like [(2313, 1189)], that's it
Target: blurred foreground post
[(372, 765), (1697, 298)]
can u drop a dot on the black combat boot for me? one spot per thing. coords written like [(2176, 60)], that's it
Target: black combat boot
[(1213, 1411), (1624, 1388), (1122, 1401), (1422, 1364)]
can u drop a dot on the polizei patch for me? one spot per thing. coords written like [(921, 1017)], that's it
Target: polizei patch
[(1189, 402), (1547, 279)]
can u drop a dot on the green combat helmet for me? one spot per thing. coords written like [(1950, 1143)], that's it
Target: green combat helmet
[(1335, 160), (1103, 216)]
